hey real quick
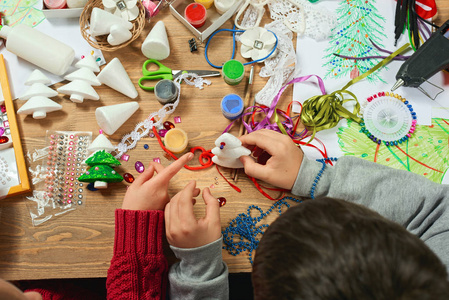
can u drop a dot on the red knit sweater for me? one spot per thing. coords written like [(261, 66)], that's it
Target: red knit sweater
[(138, 267)]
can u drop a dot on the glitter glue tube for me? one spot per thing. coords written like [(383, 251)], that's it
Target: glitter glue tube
[(232, 106), (207, 3), (38, 48), (195, 14), (233, 72), (176, 140), (166, 91)]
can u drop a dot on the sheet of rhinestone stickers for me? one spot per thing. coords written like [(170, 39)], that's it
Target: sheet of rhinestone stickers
[(8, 168), (63, 164)]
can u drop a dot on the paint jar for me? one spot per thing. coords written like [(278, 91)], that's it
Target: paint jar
[(176, 140), (195, 14), (166, 91), (232, 106), (233, 72), (207, 3), (55, 4)]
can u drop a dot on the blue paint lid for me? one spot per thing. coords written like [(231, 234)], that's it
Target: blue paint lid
[(232, 106)]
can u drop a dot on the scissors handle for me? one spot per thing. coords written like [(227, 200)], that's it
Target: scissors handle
[(143, 79), (161, 68)]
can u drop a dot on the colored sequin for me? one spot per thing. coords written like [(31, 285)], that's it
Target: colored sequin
[(139, 166), (162, 132), (222, 201), (177, 119), (125, 157), (128, 177), (168, 125), (157, 159)]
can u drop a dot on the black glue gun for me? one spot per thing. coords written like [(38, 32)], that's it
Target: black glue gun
[(431, 57)]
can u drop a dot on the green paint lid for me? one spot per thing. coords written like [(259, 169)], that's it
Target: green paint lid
[(233, 72)]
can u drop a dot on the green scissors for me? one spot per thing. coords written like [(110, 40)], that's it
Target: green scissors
[(164, 72)]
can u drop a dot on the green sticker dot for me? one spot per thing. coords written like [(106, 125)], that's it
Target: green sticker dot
[(364, 155)]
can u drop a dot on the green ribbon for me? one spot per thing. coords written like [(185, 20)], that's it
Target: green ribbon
[(325, 111)]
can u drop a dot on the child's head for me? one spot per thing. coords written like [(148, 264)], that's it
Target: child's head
[(10, 292), (332, 249)]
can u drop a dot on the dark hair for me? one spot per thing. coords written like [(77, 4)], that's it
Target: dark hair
[(333, 249)]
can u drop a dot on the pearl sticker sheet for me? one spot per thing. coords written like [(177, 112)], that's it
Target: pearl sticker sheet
[(62, 164)]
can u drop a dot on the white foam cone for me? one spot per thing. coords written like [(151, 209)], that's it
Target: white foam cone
[(101, 22), (111, 117), (37, 77), (156, 44), (101, 143), (114, 75)]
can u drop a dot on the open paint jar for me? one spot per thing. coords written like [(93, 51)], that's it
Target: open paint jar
[(166, 91), (233, 72), (195, 14), (176, 140), (232, 106)]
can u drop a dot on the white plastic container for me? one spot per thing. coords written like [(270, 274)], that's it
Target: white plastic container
[(38, 48)]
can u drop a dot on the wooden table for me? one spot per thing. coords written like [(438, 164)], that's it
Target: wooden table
[(79, 244)]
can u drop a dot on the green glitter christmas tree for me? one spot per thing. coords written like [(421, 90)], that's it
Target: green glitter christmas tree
[(359, 22), (101, 171)]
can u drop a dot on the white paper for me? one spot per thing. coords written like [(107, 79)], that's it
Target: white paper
[(310, 59)]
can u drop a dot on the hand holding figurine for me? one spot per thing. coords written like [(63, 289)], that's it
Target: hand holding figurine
[(282, 167)]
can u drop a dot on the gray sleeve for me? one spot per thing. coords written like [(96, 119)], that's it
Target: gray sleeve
[(413, 201), (200, 274)]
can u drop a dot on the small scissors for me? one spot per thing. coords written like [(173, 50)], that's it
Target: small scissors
[(164, 72)]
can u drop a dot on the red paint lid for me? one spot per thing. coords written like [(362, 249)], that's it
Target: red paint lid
[(195, 14)]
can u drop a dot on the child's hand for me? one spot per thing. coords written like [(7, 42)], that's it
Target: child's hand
[(148, 193), (282, 167), (182, 228)]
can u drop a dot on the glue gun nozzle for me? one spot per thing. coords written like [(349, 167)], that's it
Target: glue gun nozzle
[(398, 83)]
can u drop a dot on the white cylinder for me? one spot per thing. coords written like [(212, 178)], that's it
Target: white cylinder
[(38, 48)]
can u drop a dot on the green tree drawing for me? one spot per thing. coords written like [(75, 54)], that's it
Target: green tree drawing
[(426, 153), (101, 171), (359, 22)]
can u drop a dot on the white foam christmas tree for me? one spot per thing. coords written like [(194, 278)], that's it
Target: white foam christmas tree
[(38, 94), (228, 151), (82, 80)]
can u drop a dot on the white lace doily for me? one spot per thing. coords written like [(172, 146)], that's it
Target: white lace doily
[(280, 68), (129, 140)]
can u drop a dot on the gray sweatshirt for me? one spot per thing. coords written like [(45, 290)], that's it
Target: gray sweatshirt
[(416, 203)]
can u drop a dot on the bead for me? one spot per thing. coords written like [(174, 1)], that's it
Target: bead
[(145, 146), (162, 132), (139, 166), (125, 157), (4, 139), (128, 177), (168, 125), (222, 201), (177, 119)]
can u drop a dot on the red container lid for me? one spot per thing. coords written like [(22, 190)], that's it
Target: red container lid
[(195, 14)]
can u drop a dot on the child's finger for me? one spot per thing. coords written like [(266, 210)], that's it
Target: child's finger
[(212, 206), (265, 139), (167, 173), (145, 176), (185, 203), (252, 168)]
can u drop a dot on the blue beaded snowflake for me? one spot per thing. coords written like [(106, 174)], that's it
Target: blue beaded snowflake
[(245, 229)]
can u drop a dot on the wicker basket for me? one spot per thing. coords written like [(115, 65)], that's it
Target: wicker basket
[(100, 42)]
